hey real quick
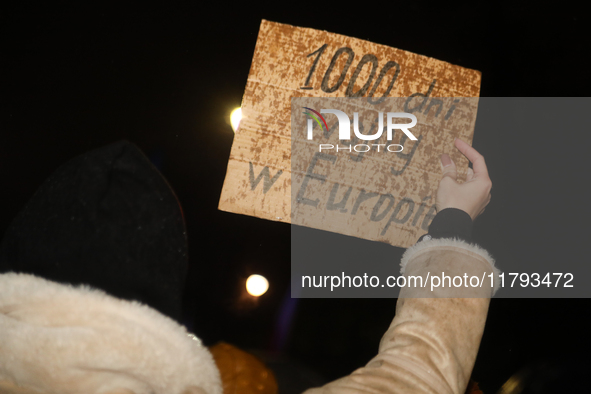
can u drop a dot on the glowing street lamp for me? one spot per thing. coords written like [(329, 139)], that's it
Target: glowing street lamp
[(257, 285), (235, 118)]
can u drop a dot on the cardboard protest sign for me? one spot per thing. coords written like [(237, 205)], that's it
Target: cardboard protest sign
[(292, 62)]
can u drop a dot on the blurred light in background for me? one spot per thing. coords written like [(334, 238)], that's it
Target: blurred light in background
[(257, 285), (235, 119)]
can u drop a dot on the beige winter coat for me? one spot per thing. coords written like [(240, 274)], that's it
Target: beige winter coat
[(57, 339), (431, 344)]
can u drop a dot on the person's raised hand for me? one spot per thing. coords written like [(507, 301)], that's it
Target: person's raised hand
[(471, 196)]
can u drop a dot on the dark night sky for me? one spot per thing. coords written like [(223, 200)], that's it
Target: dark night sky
[(166, 79)]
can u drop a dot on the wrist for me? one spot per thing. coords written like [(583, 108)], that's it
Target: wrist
[(450, 223)]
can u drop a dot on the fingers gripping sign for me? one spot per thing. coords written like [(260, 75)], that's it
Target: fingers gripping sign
[(471, 196)]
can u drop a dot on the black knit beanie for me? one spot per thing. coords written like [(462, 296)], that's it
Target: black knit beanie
[(107, 219)]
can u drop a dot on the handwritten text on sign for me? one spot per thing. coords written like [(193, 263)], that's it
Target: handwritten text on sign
[(296, 62)]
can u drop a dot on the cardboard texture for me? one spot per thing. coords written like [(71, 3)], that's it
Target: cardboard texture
[(299, 62), (374, 190)]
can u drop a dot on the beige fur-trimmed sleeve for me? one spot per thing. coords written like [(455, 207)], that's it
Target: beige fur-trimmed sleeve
[(433, 340), (460, 246)]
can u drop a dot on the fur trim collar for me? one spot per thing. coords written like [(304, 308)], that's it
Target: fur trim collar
[(462, 246), (58, 338)]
